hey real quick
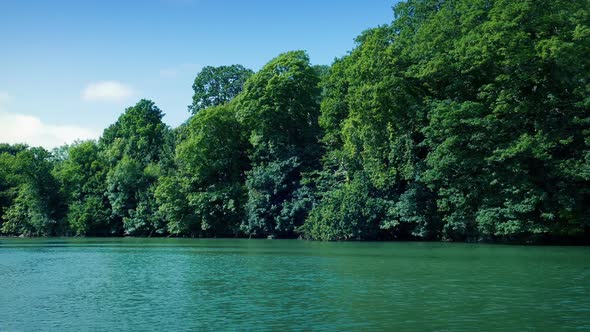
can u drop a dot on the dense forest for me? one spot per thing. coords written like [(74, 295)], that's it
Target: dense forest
[(462, 120)]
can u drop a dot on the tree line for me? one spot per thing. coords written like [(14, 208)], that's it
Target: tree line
[(461, 120)]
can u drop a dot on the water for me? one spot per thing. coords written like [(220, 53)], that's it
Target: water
[(196, 284)]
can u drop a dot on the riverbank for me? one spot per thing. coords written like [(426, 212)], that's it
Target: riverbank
[(549, 241)]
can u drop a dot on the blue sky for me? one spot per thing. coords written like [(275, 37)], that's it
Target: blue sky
[(70, 68)]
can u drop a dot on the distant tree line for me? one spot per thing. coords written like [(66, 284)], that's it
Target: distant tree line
[(461, 120)]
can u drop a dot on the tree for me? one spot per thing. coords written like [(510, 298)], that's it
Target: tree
[(463, 120), (136, 148), (131, 194), (218, 85), (82, 176), (279, 108), (139, 133), (349, 211), (206, 195), (486, 156), (30, 193), (372, 116), (508, 137)]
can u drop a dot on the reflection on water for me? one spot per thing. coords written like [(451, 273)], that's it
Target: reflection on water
[(218, 284)]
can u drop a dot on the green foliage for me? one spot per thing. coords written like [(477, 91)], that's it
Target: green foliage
[(12, 149), (215, 86), (372, 117), (215, 148), (347, 212), (28, 214), (271, 189), (172, 198), (279, 108), (28, 192), (461, 120), (130, 192), (205, 196), (502, 136), (82, 178), (136, 148), (463, 115), (139, 133)]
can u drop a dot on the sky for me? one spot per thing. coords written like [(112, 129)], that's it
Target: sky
[(69, 68)]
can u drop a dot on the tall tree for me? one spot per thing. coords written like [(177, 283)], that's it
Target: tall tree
[(135, 148), (206, 196), (82, 176), (30, 193), (279, 108), (509, 139), (218, 85), (372, 117), (468, 118)]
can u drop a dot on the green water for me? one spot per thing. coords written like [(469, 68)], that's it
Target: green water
[(194, 284)]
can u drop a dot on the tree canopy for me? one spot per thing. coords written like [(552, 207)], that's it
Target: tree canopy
[(215, 86), (462, 120)]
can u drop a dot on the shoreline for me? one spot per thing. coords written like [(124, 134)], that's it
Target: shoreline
[(563, 243)]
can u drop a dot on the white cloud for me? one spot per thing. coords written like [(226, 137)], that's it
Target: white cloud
[(107, 91), (21, 128), (190, 69), (28, 129)]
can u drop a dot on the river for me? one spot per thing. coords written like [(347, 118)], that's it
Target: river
[(239, 284)]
